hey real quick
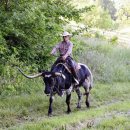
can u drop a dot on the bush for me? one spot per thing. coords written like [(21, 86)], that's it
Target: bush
[(114, 40)]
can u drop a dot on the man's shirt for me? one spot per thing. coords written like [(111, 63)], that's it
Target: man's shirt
[(64, 48)]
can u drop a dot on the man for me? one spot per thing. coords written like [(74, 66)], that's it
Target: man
[(65, 49)]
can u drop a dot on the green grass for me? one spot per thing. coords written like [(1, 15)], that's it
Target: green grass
[(29, 112), (82, 116), (109, 63), (113, 123)]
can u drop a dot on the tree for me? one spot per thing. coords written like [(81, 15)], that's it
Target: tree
[(30, 28), (126, 11), (98, 18), (108, 5)]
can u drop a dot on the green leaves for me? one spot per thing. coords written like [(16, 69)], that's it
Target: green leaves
[(30, 29)]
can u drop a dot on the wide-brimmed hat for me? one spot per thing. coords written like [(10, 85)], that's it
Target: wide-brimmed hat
[(66, 34)]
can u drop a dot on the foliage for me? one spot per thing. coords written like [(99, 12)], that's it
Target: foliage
[(30, 29), (28, 34), (124, 15), (98, 18), (109, 5), (114, 40)]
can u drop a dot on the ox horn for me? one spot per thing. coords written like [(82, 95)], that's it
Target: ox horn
[(28, 76), (60, 74)]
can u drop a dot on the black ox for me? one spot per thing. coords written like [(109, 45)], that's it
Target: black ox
[(60, 80)]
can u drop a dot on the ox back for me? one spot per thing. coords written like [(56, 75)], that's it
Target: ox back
[(83, 74)]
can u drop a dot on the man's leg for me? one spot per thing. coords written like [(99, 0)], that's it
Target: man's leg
[(55, 63), (70, 62)]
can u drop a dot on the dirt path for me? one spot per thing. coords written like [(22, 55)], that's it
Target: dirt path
[(93, 122)]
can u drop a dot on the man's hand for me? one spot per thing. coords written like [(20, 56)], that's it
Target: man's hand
[(64, 57)]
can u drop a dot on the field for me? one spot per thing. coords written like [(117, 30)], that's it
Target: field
[(25, 106), (110, 110)]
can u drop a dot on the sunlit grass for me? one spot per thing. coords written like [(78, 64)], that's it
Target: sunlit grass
[(84, 116), (30, 111), (114, 123)]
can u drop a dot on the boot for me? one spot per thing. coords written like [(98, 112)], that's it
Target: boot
[(75, 77), (76, 81)]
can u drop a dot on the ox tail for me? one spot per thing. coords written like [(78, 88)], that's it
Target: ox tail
[(91, 79)]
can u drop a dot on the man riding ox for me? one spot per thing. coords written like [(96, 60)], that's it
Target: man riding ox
[(65, 49), (63, 77)]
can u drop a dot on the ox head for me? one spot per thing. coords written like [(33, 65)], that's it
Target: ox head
[(48, 78)]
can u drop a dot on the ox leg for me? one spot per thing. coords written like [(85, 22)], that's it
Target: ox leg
[(87, 100), (87, 92), (68, 97), (50, 106), (79, 97)]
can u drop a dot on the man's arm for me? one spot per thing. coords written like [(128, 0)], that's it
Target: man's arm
[(54, 50)]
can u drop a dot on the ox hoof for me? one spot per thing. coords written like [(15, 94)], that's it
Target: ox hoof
[(68, 112), (50, 114)]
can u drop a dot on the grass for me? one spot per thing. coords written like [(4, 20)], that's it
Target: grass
[(29, 112), (114, 123), (109, 63)]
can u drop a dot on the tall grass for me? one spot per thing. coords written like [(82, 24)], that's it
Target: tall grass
[(108, 62)]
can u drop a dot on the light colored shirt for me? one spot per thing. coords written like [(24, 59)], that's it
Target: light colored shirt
[(64, 48)]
